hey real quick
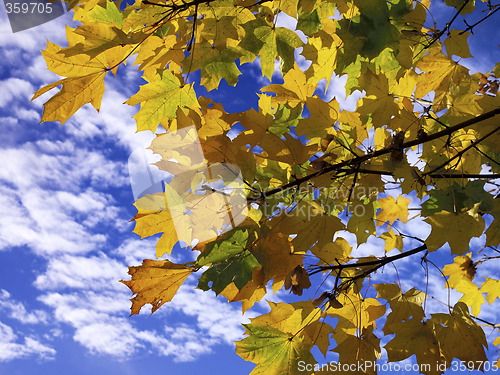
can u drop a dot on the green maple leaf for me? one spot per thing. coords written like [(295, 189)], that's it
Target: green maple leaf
[(274, 351), (309, 23), (108, 14), (373, 26), (214, 64), (223, 248), (237, 270), (469, 7), (456, 198), (268, 42)]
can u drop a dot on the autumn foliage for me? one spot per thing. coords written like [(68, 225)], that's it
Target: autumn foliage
[(320, 181)]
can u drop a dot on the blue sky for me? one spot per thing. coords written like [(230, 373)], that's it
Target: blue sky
[(65, 235)]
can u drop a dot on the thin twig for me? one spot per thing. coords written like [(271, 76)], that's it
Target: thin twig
[(459, 154), (470, 27)]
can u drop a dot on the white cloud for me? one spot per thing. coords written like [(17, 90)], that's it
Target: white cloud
[(84, 307), (52, 196), (38, 73), (336, 89), (67, 168), (134, 250), (90, 273), (16, 310), (15, 88), (11, 349), (213, 315), (112, 339), (29, 218), (31, 40), (27, 114), (101, 323)]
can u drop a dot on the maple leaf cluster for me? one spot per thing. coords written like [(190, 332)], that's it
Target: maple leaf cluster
[(425, 128)]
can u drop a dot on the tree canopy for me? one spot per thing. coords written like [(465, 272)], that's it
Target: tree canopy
[(317, 181)]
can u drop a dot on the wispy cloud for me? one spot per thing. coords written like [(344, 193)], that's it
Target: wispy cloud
[(17, 311), (13, 348)]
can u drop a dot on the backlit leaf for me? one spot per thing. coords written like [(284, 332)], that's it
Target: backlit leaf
[(155, 282)]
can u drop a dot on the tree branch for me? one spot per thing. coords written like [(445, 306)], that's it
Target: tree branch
[(470, 27), (434, 175), (377, 263), (360, 159), (447, 26)]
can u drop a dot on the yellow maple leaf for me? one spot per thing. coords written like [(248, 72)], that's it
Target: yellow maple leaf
[(71, 66), (290, 151), (218, 31), (310, 222), (154, 217), (492, 288), (275, 254), (215, 120), (392, 241), (462, 272), (354, 312), (333, 252), (160, 99), (256, 125), (75, 92), (440, 72), (85, 83), (155, 282), (298, 318), (103, 38), (287, 6), (403, 305), (456, 44), (323, 115), (378, 101), (362, 225), (461, 337), (393, 209), (251, 293), (322, 50), (294, 90), (364, 348), (157, 53), (415, 337)]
